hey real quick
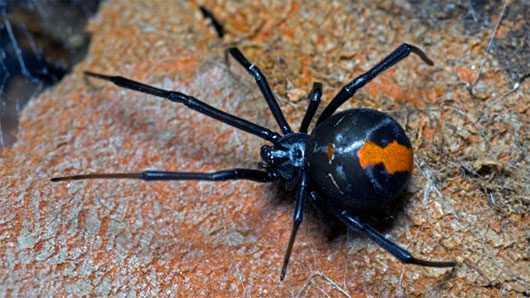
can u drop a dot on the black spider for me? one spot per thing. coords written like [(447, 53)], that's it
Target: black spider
[(355, 159)]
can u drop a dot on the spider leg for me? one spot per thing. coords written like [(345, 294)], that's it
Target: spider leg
[(264, 87), (191, 103), (314, 96), (207, 14), (349, 89), (233, 174), (355, 223), (298, 216)]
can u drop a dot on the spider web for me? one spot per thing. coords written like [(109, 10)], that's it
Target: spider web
[(40, 41)]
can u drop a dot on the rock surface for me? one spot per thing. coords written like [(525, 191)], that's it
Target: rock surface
[(468, 118)]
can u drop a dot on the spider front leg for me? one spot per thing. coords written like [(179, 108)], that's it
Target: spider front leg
[(192, 103), (349, 89), (264, 87), (298, 216), (355, 223), (314, 97)]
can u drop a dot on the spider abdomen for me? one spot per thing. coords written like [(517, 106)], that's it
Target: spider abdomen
[(360, 157)]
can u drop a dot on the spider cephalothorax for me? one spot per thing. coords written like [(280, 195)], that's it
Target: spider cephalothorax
[(287, 157)]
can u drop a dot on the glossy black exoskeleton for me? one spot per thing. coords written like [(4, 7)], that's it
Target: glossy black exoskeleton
[(337, 163), (359, 158)]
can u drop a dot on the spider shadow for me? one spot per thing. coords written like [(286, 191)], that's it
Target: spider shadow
[(382, 219), (231, 93), (175, 127)]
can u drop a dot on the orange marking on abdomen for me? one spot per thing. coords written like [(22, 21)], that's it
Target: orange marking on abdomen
[(395, 157), (330, 150)]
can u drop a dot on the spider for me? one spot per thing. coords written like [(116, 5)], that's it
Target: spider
[(355, 159)]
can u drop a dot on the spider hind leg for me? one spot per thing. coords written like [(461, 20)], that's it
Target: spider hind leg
[(355, 223)]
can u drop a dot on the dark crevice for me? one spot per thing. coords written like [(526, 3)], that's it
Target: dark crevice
[(40, 42)]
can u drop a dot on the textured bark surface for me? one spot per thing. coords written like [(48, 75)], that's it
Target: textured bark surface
[(468, 119)]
